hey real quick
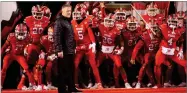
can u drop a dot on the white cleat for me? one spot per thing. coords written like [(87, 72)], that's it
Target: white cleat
[(24, 88), (50, 87), (149, 85), (90, 85), (155, 87), (31, 87), (138, 85), (183, 84), (167, 84), (127, 85), (97, 86), (39, 88)]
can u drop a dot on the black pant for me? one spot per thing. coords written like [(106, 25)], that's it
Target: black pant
[(66, 72)]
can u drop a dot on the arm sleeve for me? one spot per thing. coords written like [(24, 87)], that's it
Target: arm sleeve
[(136, 49), (57, 36), (46, 22), (103, 12), (91, 35)]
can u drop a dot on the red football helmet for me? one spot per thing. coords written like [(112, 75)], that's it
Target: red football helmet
[(152, 9), (37, 12), (120, 14), (79, 12), (87, 4), (47, 11), (21, 31), (95, 12), (109, 20), (172, 21), (181, 17), (51, 34), (132, 23), (154, 26)]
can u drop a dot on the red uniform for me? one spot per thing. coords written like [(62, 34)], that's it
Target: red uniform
[(120, 25), (49, 50), (15, 53), (84, 38), (108, 45), (36, 28), (168, 49), (151, 46), (130, 38)]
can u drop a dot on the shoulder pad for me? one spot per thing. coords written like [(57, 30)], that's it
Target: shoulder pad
[(27, 18), (11, 35)]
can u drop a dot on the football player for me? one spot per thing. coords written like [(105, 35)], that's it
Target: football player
[(151, 43), (36, 23), (171, 33), (17, 41), (85, 43), (112, 45), (47, 57)]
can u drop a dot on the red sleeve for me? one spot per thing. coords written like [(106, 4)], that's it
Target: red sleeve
[(103, 12), (27, 21), (46, 21), (136, 49), (91, 35)]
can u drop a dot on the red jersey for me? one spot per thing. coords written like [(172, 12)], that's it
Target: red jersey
[(170, 37), (131, 37), (36, 27), (120, 25), (48, 45), (150, 45), (16, 46), (158, 18), (82, 32), (108, 38), (95, 22), (108, 35)]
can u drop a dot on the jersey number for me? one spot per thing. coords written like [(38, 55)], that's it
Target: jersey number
[(151, 46), (107, 40), (80, 34), (37, 30), (131, 42)]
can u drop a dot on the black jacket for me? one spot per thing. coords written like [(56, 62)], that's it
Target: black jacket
[(63, 35)]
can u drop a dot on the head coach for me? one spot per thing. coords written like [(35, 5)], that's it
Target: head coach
[(65, 48)]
